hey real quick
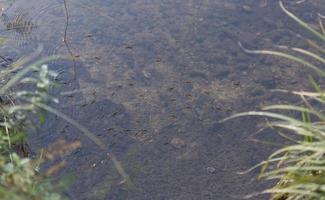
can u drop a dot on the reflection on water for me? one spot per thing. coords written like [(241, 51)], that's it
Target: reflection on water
[(153, 79)]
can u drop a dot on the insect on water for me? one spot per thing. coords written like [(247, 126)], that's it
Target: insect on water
[(20, 23), (19, 27)]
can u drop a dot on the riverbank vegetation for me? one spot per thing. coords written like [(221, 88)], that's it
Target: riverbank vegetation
[(20, 174), (24, 103), (299, 167)]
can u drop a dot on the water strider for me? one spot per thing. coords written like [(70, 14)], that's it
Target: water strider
[(20, 23)]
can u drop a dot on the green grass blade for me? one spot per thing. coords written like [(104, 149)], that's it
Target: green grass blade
[(264, 114), (92, 137), (284, 55), (24, 71), (302, 23), (310, 54), (295, 108)]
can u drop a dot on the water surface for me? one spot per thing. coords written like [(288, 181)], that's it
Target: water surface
[(153, 78)]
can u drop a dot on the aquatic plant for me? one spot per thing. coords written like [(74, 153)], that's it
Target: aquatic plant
[(298, 168)]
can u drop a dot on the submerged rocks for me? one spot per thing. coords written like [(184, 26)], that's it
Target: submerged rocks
[(178, 143)]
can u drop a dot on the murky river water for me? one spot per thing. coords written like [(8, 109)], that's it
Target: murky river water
[(153, 79)]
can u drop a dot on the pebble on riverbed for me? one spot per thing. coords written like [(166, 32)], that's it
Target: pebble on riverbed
[(178, 143), (211, 170)]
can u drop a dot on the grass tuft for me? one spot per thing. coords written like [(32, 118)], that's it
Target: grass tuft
[(299, 167)]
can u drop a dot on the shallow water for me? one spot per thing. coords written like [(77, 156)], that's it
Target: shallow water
[(153, 78)]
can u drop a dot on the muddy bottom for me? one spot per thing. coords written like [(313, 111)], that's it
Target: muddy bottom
[(152, 79)]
